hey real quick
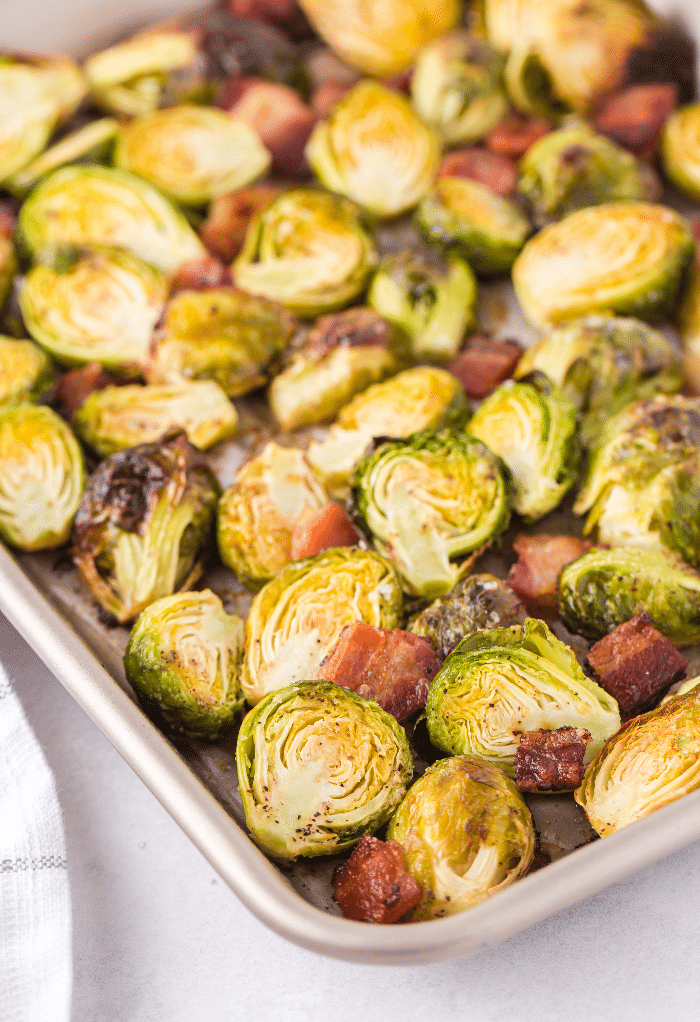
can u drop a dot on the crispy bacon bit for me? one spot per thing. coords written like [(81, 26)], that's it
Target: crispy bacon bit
[(319, 529), (540, 559), (386, 664), (353, 328), (227, 222), (495, 172), (636, 664), (199, 274), (514, 135), (483, 363), (326, 95), (76, 386), (374, 886), (8, 219), (635, 117), (551, 760)]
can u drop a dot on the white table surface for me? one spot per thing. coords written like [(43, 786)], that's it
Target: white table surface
[(158, 937)]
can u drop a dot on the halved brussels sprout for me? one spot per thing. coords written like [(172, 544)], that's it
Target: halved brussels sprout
[(318, 767), (467, 834), (430, 500), (89, 144), (296, 619), (41, 477), (94, 305), (680, 149), (602, 363), (142, 523), (308, 250), (502, 681), (484, 228), (256, 513), (653, 760), (105, 206), (373, 148), (624, 257), (604, 588), (433, 302), (183, 658), (686, 686), (532, 427), (26, 372)]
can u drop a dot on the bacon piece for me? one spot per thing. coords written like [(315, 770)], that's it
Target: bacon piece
[(514, 135), (318, 529), (634, 118), (484, 363), (495, 172), (229, 217), (74, 387), (540, 559), (374, 886), (199, 274), (285, 15), (636, 664), (8, 219), (386, 664), (551, 760), (354, 328), (326, 95)]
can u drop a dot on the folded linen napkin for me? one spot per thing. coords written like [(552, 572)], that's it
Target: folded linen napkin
[(35, 922)]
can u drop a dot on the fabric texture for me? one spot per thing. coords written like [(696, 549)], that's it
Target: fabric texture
[(35, 919)]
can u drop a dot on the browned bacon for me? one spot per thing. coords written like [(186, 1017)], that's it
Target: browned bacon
[(278, 114), (374, 886), (199, 274), (514, 135), (75, 387), (540, 559), (229, 217), (551, 760), (635, 117), (318, 529), (495, 172), (483, 363)]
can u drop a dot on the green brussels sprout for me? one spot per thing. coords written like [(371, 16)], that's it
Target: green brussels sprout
[(501, 682), (685, 686), (680, 149), (602, 364), (457, 86), (94, 305), (484, 228), (689, 329), (219, 334), (641, 487), (8, 267), (140, 528), (604, 588), (532, 427), (467, 834), (653, 760), (26, 372), (95, 205), (433, 302), (373, 148), (308, 250), (89, 144), (430, 500), (256, 513), (296, 619), (476, 602), (183, 659), (624, 257), (318, 767), (42, 476)]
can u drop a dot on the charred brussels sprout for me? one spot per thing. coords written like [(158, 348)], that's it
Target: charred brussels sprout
[(86, 206), (689, 330), (680, 148), (430, 500), (297, 618), (97, 305), (503, 681), (257, 512), (308, 250), (41, 477), (433, 302), (318, 767), (89, 144), (604, 588), (26, 372), (533, 429), (624, 257), (142, 523), (373, 148), (484, 228), (467, 834), (183, 659), (653, 760)]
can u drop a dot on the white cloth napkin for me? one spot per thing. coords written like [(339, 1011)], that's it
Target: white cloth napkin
[(35, 920)]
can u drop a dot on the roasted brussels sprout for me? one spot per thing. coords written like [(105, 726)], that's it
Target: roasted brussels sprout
[(219, 334), (296, 619), (183, 659), (503, 681), (602, 364), (8, 267), (624, 257), (685, 686), (532, 427), (308, 250), (94, 305), (89, 144), (433, 302), (26, 372), (603, 588), (106, 206), (689, 330), (430, 500), (680, 149), (318, 767), (467, 834), (141, 525), (256, 513), (373, 148), (41, 477), (484, 228), (653, 760)]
